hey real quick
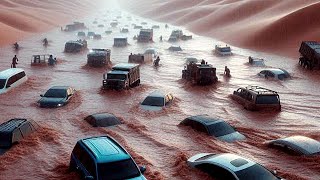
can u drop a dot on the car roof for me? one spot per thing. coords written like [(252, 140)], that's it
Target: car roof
[(301, 144), (259, 90), (10, 72), (118, 72), (99, 116), (126, 66), (204, 119), (60, 87), (158, 93), (276, 71), (230, 161), (105, 149)]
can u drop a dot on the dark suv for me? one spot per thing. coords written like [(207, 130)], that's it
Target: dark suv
[(257, 98), (104, 158)]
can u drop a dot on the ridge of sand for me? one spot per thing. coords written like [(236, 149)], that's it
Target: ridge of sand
[(19, 19), (275, 26)]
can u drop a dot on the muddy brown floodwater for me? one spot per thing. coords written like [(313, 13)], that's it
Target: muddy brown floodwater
[(154, 138)]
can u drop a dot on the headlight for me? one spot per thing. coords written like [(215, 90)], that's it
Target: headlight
[(59, 105)]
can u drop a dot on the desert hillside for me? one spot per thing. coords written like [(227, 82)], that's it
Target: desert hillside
[(19, 18), (275, 26)]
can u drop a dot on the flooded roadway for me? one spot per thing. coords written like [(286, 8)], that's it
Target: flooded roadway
[(154, 138)]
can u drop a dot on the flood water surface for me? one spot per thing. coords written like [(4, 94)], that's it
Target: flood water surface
[(154, 138)]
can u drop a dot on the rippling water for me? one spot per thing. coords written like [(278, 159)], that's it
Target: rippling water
[(154, 138)]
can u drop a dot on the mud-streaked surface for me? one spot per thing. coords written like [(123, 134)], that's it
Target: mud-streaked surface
[(154, 138)]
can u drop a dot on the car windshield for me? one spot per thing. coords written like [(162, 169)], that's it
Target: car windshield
[(255, 172), (153, 101), (224, 49), (56, 93), (283, 76), (2, 83), (118, 170), (274, 99), (116, 76), (220, 129)]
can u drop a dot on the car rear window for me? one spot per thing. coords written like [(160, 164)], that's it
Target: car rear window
[(220, 129), (270, 99), (2, 83), (118, 170)]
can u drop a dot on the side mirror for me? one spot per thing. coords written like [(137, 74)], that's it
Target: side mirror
[(274, 172), (88, 177), (41, 95), (142, 169)]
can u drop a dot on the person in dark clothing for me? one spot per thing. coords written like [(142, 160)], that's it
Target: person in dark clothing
[(45, 41), (156, 62), (160, 38), (14, 61), (203, 61), (227, 71), (51, 61)]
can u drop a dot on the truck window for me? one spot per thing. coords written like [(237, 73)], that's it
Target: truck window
[(116, 76), (274, 99)]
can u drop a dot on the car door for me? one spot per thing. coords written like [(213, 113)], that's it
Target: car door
[(84, 162)]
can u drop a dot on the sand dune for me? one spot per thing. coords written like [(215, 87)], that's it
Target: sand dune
[(19, 19), (276, 26)]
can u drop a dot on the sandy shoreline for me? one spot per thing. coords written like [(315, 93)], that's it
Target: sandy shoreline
[(273, 26), (20, 19)]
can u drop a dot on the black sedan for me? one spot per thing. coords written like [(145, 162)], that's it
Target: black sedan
[(56, 96)]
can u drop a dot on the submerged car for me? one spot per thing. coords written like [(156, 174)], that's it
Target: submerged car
[(231, 167), (56, 96), (102, 158), (213, 127), (298, 145), (256, 61), (278, 74), (175, 48), (157, 100), (102, 120), (257, 98)]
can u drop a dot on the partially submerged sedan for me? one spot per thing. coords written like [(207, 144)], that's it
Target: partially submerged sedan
[(214, 127), (298, 145), (157, 100), (278, 74), (231, 167), (56, 96)]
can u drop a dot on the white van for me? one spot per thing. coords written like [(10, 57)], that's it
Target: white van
[(11, 78)]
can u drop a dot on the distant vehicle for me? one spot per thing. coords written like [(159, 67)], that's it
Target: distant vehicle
[(100, 25), (114, 24), (151, 51), (75, 46), (103, 158), (175, 48), (186, 37), (231, 167), (256, 61), (137, 27), (120, 42), (173, 38), (56, 96), (145, 35), (278, 74), (102, 120), (108, 31), (155, 27), (175, 35), (257, 98), (14, 130), (214, 127), (122, 76), (223, 50), (97, 36), (39, 59), (136, 58), (11, 78), (310, 54), (157, 100), (95, 22), (201, 74), (99, 57), (91, 34), (75, 26), (81, 34), (191, 59), (124, 30), (144, 23), (298, 145)]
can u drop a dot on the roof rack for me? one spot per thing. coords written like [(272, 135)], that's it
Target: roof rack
[(261, 90)]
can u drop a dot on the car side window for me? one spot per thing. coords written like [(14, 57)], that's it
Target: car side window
[(216, 171), (199, 127), (85, 159), (11, 80), (270, 74)]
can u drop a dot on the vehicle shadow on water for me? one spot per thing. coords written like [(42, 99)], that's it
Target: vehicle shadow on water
[(3, 150)]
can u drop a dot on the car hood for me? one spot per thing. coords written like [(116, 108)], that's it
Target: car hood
[(51, 102), (141, 177), (235, 136)]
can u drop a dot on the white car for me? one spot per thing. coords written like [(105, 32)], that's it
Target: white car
[(231, 167), (11, 78), (298, 144), (156, 101), (278, 74)]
